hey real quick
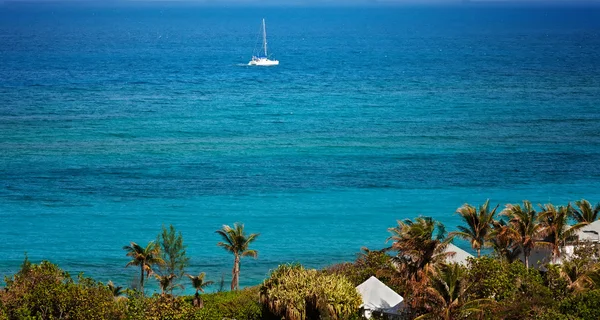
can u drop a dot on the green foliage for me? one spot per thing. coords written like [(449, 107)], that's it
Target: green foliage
[(499, 280), (297, 294), (583, 305), (173, 253), (447, 298), (556, 281), (44, 291), (553, 314), (241, 304)]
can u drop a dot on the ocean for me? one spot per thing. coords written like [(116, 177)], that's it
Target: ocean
[(116, 119)]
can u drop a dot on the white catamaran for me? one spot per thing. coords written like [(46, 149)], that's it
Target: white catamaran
[(260, 59)]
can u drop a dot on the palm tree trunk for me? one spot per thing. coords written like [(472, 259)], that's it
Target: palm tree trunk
[(526, 259), (142, 278), (478, 252), (235, 273)]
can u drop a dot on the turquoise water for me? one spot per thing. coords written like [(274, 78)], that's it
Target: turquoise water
[(117, 119)]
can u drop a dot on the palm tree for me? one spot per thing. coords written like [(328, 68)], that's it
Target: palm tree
[(236, 242), (526, 225), (143, 257), (577, 276), (116, 291), (166, 282), (556, 228), (199, 284), (585, 213), (478, 227), (502, 240), (420, 244), (447, 296)]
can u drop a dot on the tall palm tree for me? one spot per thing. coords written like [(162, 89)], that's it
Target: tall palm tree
[(479, 224), (503, 240), (585, 213), (199, 284), (556, 228), (447, 296), (145, 258), (420, 244), (237, 242), (526, 225)]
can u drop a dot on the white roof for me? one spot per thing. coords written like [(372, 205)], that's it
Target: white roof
[(591, 232), (460, 256), (377, 296)]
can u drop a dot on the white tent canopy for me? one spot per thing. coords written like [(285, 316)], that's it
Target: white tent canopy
[(591, 232), (460, 256), (376, 296)]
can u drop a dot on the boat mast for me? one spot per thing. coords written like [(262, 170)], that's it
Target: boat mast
[(264, 37)]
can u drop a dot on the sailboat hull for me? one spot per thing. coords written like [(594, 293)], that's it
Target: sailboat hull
[(263, 62)]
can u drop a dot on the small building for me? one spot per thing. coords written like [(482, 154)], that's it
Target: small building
[(460, 256), (591, 232), (379, 299)]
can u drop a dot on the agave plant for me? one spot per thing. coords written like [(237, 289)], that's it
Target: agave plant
[(295, 293)]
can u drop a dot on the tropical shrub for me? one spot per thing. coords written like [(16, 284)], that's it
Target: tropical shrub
[(242, 304), (295, 293), (583, 305), (44, 291), (500, 280)]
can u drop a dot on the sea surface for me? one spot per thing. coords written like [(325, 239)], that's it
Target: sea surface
[(117, 119)]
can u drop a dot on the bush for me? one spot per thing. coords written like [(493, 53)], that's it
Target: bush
[(44, 291), (297, 294), (583, 305), (241, 304)]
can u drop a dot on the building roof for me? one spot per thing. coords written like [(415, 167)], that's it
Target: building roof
[(460, 256), (377, 296), (591, 232)]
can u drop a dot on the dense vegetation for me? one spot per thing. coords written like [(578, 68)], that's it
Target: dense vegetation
[(497, 285)]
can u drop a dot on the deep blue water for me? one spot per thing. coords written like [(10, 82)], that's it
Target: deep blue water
[(115, 120)]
